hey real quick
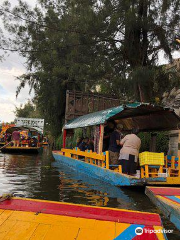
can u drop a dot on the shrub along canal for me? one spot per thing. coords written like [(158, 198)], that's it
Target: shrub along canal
[(40, 177)]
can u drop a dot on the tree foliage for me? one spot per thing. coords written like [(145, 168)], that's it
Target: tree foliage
[(28, 110), (79, 44)]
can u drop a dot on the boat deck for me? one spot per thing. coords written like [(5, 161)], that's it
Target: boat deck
[(168, 200), (36, 219), (21, 149)]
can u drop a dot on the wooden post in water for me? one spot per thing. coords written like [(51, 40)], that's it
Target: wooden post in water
[(64, 138), (101, 135)]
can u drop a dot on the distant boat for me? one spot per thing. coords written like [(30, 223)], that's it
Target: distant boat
[(29, 145)]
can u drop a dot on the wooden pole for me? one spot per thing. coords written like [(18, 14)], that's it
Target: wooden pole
[(101, 135), (6, 145), (107, 159), (153, 142), (179, 144), (64, 138)]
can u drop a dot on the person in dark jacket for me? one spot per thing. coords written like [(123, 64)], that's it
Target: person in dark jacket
[(79, 141), (84, 144), (90, 145), (114, 145), (109, 128)]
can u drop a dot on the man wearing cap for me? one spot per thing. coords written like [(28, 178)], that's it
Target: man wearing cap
[(114, 144)]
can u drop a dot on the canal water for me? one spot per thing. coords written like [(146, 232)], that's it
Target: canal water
[(40, 177)]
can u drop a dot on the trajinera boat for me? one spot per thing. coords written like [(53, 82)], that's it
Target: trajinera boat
[(40, 219), (168, 201), (30, 141), (155, 168)]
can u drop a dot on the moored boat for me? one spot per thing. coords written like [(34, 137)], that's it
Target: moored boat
[(2, 144), (145, 117), (29, 142), (40, 219), (28, 150), (168, 201)]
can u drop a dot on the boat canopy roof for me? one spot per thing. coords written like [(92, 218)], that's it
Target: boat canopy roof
[(17, 128), (144, 116)]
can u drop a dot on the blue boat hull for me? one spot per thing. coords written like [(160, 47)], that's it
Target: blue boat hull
[(102, 174)]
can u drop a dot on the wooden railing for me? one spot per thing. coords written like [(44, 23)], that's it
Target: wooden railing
[(171, 168), (101, 160), (173, 165)]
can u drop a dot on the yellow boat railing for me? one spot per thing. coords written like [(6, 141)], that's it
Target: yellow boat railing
[(101, 160), (172, 163)]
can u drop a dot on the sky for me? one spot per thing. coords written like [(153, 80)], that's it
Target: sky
[(12, 67)]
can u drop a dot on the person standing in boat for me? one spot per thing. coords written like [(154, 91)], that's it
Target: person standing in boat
[(107, 133), (114, 144), (16, 138), (131, 144)]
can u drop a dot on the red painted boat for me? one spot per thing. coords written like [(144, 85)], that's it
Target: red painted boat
[(38, 219), (168, 201)]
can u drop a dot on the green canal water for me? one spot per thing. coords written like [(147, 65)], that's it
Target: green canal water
[(40, 177)]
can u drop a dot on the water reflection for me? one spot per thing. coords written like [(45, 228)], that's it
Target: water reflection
[(39, 176)]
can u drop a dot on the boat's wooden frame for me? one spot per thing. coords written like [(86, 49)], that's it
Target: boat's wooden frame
[(94, 165), (24, 150), (168, 201), (41, 219), (97, 165), (2, 144)]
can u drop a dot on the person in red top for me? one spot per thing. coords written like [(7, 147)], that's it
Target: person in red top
[(16, 138)]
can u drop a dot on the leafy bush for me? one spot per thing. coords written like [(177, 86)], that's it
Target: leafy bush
[(162, 141), (70, 140)]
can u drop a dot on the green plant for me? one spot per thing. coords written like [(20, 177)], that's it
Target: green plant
[(161, 141)]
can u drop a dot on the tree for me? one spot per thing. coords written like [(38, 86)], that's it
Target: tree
[(59, 54), (29, 110), (150, 26)]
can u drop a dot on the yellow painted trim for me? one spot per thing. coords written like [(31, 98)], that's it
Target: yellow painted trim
[(84, 154), (178, 197), (22, 147), (168, 201), (160, 236), (162, 187), (169, 181)]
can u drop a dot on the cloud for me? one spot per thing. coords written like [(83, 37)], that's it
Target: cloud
[(11, 68)]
